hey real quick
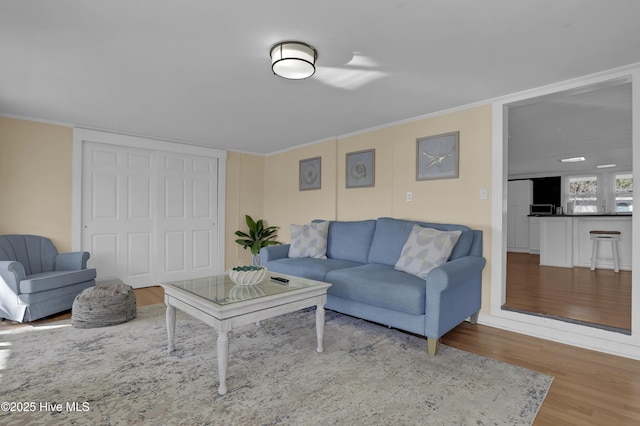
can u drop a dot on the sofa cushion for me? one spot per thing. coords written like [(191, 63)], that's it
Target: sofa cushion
[(388, 240), (350, 240), (55, 296), (51, 280), (391, 235), (463, 246), (309, 240), (379, 285), (425, 249), (307, 267)]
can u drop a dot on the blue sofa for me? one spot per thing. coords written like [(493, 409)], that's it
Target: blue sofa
[(360, 260), (36, 281)]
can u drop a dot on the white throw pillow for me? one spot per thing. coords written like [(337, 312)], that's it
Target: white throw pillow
[(425, 249), (309, 240)]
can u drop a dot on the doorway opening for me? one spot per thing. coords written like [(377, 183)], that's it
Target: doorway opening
[(547, 272)]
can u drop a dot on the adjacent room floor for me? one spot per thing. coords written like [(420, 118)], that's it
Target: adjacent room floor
[(600, 298)]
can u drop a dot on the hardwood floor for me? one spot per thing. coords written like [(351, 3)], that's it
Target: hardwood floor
[(599, 297), (590, 388)]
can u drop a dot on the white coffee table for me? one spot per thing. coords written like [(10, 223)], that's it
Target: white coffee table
[(218, 302)]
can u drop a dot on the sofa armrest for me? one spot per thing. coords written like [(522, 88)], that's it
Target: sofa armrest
[(453, 293), (11, 273), (454, 273), (270, 253), (73, 261)]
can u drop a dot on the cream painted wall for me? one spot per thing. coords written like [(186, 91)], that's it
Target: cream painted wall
[(284, 203), (35, 173), (448, 200), (244, 188), (358, 203), (35, 180)]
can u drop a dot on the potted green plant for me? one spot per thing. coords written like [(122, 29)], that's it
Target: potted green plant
[(259, 236)]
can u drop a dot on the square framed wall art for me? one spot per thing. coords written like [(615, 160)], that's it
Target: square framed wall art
[(361, 169), (310, 174), (437, 156)]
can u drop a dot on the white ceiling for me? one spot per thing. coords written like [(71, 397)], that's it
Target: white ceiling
[(198, 71), (593, 122)]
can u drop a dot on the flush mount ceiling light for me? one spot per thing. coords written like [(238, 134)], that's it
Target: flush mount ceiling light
[(572, 160), (293, 60), (606, 166)]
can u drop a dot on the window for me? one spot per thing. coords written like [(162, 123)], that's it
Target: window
[(583, 194), (624, 193)]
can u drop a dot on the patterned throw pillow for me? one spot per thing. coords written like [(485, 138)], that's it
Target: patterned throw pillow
[(309, 240), (425, 249)]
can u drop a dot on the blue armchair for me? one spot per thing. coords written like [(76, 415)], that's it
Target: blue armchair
[(36, 281)]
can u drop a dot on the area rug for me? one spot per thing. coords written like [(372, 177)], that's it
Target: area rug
[(368, 374)]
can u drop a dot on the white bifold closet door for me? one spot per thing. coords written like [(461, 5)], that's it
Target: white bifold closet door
[(149, 216)]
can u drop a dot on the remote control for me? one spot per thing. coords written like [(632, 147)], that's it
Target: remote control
[(280, 280)]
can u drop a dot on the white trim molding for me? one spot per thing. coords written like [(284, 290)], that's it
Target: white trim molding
[(551, 329)]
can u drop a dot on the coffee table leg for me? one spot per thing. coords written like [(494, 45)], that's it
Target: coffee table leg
[(320, 326), (171, 326), (223, 355)]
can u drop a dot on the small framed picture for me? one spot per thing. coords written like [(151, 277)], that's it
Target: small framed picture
[(310, 174), (361, 169), (437, 156)]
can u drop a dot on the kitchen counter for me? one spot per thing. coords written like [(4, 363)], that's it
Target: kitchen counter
[(565, 239)]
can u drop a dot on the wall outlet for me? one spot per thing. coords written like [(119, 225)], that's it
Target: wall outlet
[(409, 196)]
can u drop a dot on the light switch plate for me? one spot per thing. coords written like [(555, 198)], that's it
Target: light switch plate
[(484, 194)]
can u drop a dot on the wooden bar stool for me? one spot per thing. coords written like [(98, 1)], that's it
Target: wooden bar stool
[(613, 237)]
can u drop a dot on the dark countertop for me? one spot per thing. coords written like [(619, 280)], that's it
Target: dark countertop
[(583, 215)]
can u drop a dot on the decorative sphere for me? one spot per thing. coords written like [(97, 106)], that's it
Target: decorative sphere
[(247, 275)]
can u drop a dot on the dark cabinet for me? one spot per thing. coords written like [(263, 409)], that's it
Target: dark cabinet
[(547, 190)]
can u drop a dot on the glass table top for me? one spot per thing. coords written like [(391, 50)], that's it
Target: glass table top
[(222, 291)]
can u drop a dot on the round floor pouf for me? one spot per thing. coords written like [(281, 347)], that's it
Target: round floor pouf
[(103, 305)]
